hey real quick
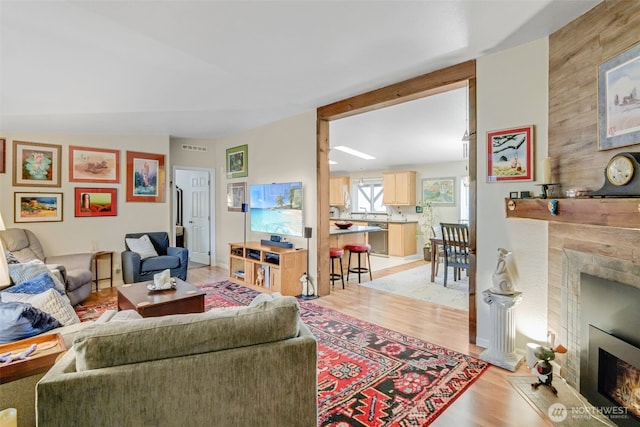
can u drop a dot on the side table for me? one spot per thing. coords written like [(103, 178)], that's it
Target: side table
[(98, 255), (18, 379)]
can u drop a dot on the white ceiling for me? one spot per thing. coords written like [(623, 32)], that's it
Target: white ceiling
[(206, 69)]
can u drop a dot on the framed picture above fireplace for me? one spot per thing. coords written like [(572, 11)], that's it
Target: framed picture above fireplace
[(618, 104)]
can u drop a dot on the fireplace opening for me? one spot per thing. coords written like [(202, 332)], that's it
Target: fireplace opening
[(619, 381), (613, 378)]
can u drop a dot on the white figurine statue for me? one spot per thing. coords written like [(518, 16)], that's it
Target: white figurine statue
[(502, 280)]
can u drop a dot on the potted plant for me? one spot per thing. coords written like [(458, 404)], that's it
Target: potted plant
[(427, 219)]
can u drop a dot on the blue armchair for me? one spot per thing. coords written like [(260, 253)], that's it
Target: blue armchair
[(135, 269)]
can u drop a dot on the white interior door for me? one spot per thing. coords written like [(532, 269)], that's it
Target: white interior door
[(197, 215)]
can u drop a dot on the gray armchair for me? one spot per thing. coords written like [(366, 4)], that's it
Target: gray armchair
[(74, 268), (135, 269)]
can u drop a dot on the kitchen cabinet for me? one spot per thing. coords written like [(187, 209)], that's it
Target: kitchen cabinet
[(338, 185), (402, 238), (399, 188)]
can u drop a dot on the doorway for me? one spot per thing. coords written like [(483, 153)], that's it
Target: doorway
[(193, 208), (457, 76)]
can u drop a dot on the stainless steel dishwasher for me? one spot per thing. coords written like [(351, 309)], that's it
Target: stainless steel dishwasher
[(379, 239)]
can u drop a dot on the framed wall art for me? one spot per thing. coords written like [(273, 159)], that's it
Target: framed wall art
[(37, 207), (145, 177), (35, 164), (618, 100), (510, 154), (3, 157), (439, 191), (96, 201), (88, 164), (236, 196), (238, 162)]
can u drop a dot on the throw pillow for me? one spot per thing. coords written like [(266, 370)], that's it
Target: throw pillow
[(28, 270), (51, 302), (36, 285), (142, 246), (19, 320), (11, 258)]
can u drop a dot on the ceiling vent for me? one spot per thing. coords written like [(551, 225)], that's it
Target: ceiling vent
[(189, 147)]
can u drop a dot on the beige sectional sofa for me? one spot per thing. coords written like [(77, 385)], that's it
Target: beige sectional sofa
[(248, 366)]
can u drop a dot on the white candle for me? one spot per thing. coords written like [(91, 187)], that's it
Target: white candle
[(9, 417), (546, 171)]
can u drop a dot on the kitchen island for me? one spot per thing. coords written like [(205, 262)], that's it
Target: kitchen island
[(354, 234)]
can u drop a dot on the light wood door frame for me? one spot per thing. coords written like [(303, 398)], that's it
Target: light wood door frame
[(454, 77)]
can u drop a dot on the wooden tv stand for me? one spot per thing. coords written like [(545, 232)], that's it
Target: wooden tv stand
[(282, 267)]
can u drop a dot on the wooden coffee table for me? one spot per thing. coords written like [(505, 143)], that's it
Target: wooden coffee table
[(186, 298)]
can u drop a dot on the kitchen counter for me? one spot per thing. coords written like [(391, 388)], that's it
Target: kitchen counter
[(387, 221), (335, 231)]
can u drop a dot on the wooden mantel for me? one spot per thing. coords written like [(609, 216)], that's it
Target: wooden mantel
[(611, 212)]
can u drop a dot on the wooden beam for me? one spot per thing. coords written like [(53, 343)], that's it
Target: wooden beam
[(454, 77)]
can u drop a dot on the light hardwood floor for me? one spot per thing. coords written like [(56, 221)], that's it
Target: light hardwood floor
[(491, 401)]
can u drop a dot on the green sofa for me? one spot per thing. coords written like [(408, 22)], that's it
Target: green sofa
[(247, 366)]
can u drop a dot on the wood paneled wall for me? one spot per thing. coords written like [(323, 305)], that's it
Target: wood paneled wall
[(575, 52)]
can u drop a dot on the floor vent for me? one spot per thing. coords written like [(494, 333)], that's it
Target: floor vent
[(189, 147)]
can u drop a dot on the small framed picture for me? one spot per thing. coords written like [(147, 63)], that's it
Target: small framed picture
[(145, 177), (3, 150), (96, 201), (89, 164), (36, 164), (38, 207), (510, 154), (525, 194), (236, 196), (238, 161), (513, 194), (419, 209)]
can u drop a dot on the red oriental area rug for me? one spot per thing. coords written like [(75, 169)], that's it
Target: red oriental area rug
[(367, 375)]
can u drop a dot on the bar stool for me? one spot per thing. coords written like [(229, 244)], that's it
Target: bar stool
[(336, 254), (359, 248)]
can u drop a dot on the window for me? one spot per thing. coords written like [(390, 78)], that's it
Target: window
[(368, 197)]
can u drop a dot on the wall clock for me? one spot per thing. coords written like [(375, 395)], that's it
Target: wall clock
[(621, 176)]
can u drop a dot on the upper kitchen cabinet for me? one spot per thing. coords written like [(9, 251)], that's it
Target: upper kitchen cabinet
[(338, 186), (399, 188)]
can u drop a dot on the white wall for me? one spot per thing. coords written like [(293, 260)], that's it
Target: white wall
[(77, 234), (513, 91), (278, 152)]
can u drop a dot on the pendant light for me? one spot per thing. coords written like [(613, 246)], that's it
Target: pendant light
[(465, 137)]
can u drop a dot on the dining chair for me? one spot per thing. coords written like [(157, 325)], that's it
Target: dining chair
[(455, 238), (439, 254)]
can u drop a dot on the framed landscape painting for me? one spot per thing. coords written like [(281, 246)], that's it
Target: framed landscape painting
[(510, 154), (439, 191), (88, 164), (145, 177), (238, 162), (96, 201), (618, 101), (35, 164), (38, 207)]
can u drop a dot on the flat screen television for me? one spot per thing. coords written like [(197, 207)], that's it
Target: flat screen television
[(277, 208)]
